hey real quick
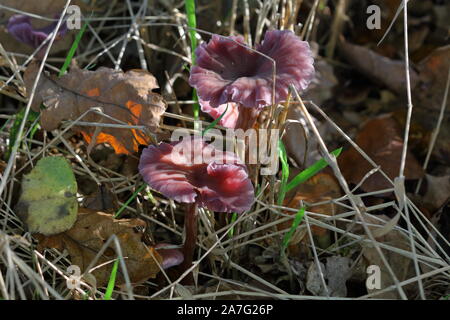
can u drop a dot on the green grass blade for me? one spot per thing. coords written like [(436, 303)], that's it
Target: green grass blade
[(192, 24), (215, 122), (90, 66), (5, 124), (233, 219), (73, 49), (151, 197), (284, 171), (112, 281), (195, 108), (311, 171), (298, 218), (32, 116), (258, 191), (134, 195)]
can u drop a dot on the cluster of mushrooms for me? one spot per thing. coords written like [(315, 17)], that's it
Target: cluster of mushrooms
[(233, 80), (228, 75)]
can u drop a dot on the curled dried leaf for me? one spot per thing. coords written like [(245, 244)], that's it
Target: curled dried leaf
[(433, 74), (90, 232), (381, 139), (321, 187), (126, 97), (401, 265)]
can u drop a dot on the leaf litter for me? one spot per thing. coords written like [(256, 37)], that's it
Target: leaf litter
[(89, 234), (361, 89)]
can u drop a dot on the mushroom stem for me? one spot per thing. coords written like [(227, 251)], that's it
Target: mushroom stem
[(247, 117), (190, 224), (246, 120)]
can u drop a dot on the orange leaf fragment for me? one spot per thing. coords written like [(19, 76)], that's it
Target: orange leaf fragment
[(321, 187), (382, 140)]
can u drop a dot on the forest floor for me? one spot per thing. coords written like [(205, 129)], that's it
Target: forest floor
[(373, 224)]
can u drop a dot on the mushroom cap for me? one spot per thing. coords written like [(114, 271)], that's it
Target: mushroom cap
[(227, 70), (171, 257), (229, 119), (193, 171), (20, 27)]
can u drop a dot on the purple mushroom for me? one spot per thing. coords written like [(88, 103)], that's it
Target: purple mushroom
[(171, 257), (227, 70), (220, 182), (192, 171), (20, 27), (229, 119)]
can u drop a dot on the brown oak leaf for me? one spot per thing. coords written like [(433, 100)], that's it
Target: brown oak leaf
[(90, 232), (433, 75), (322, 187), (382, 140), (126, 97), (401, 265)]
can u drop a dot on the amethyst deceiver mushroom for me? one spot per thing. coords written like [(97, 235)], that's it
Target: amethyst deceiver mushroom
[(229, 119), (20, 27), (227, 70), (171, 257), (192, 171)]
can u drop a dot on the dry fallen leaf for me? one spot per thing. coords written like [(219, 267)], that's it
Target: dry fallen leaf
[(48, 202), (314, 282), (428, 98), (433, 73), (127, 97), (401, 266), (91, 230), (336, 272), (438, 192), (321, 187), (102, 200), (382, 140)]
